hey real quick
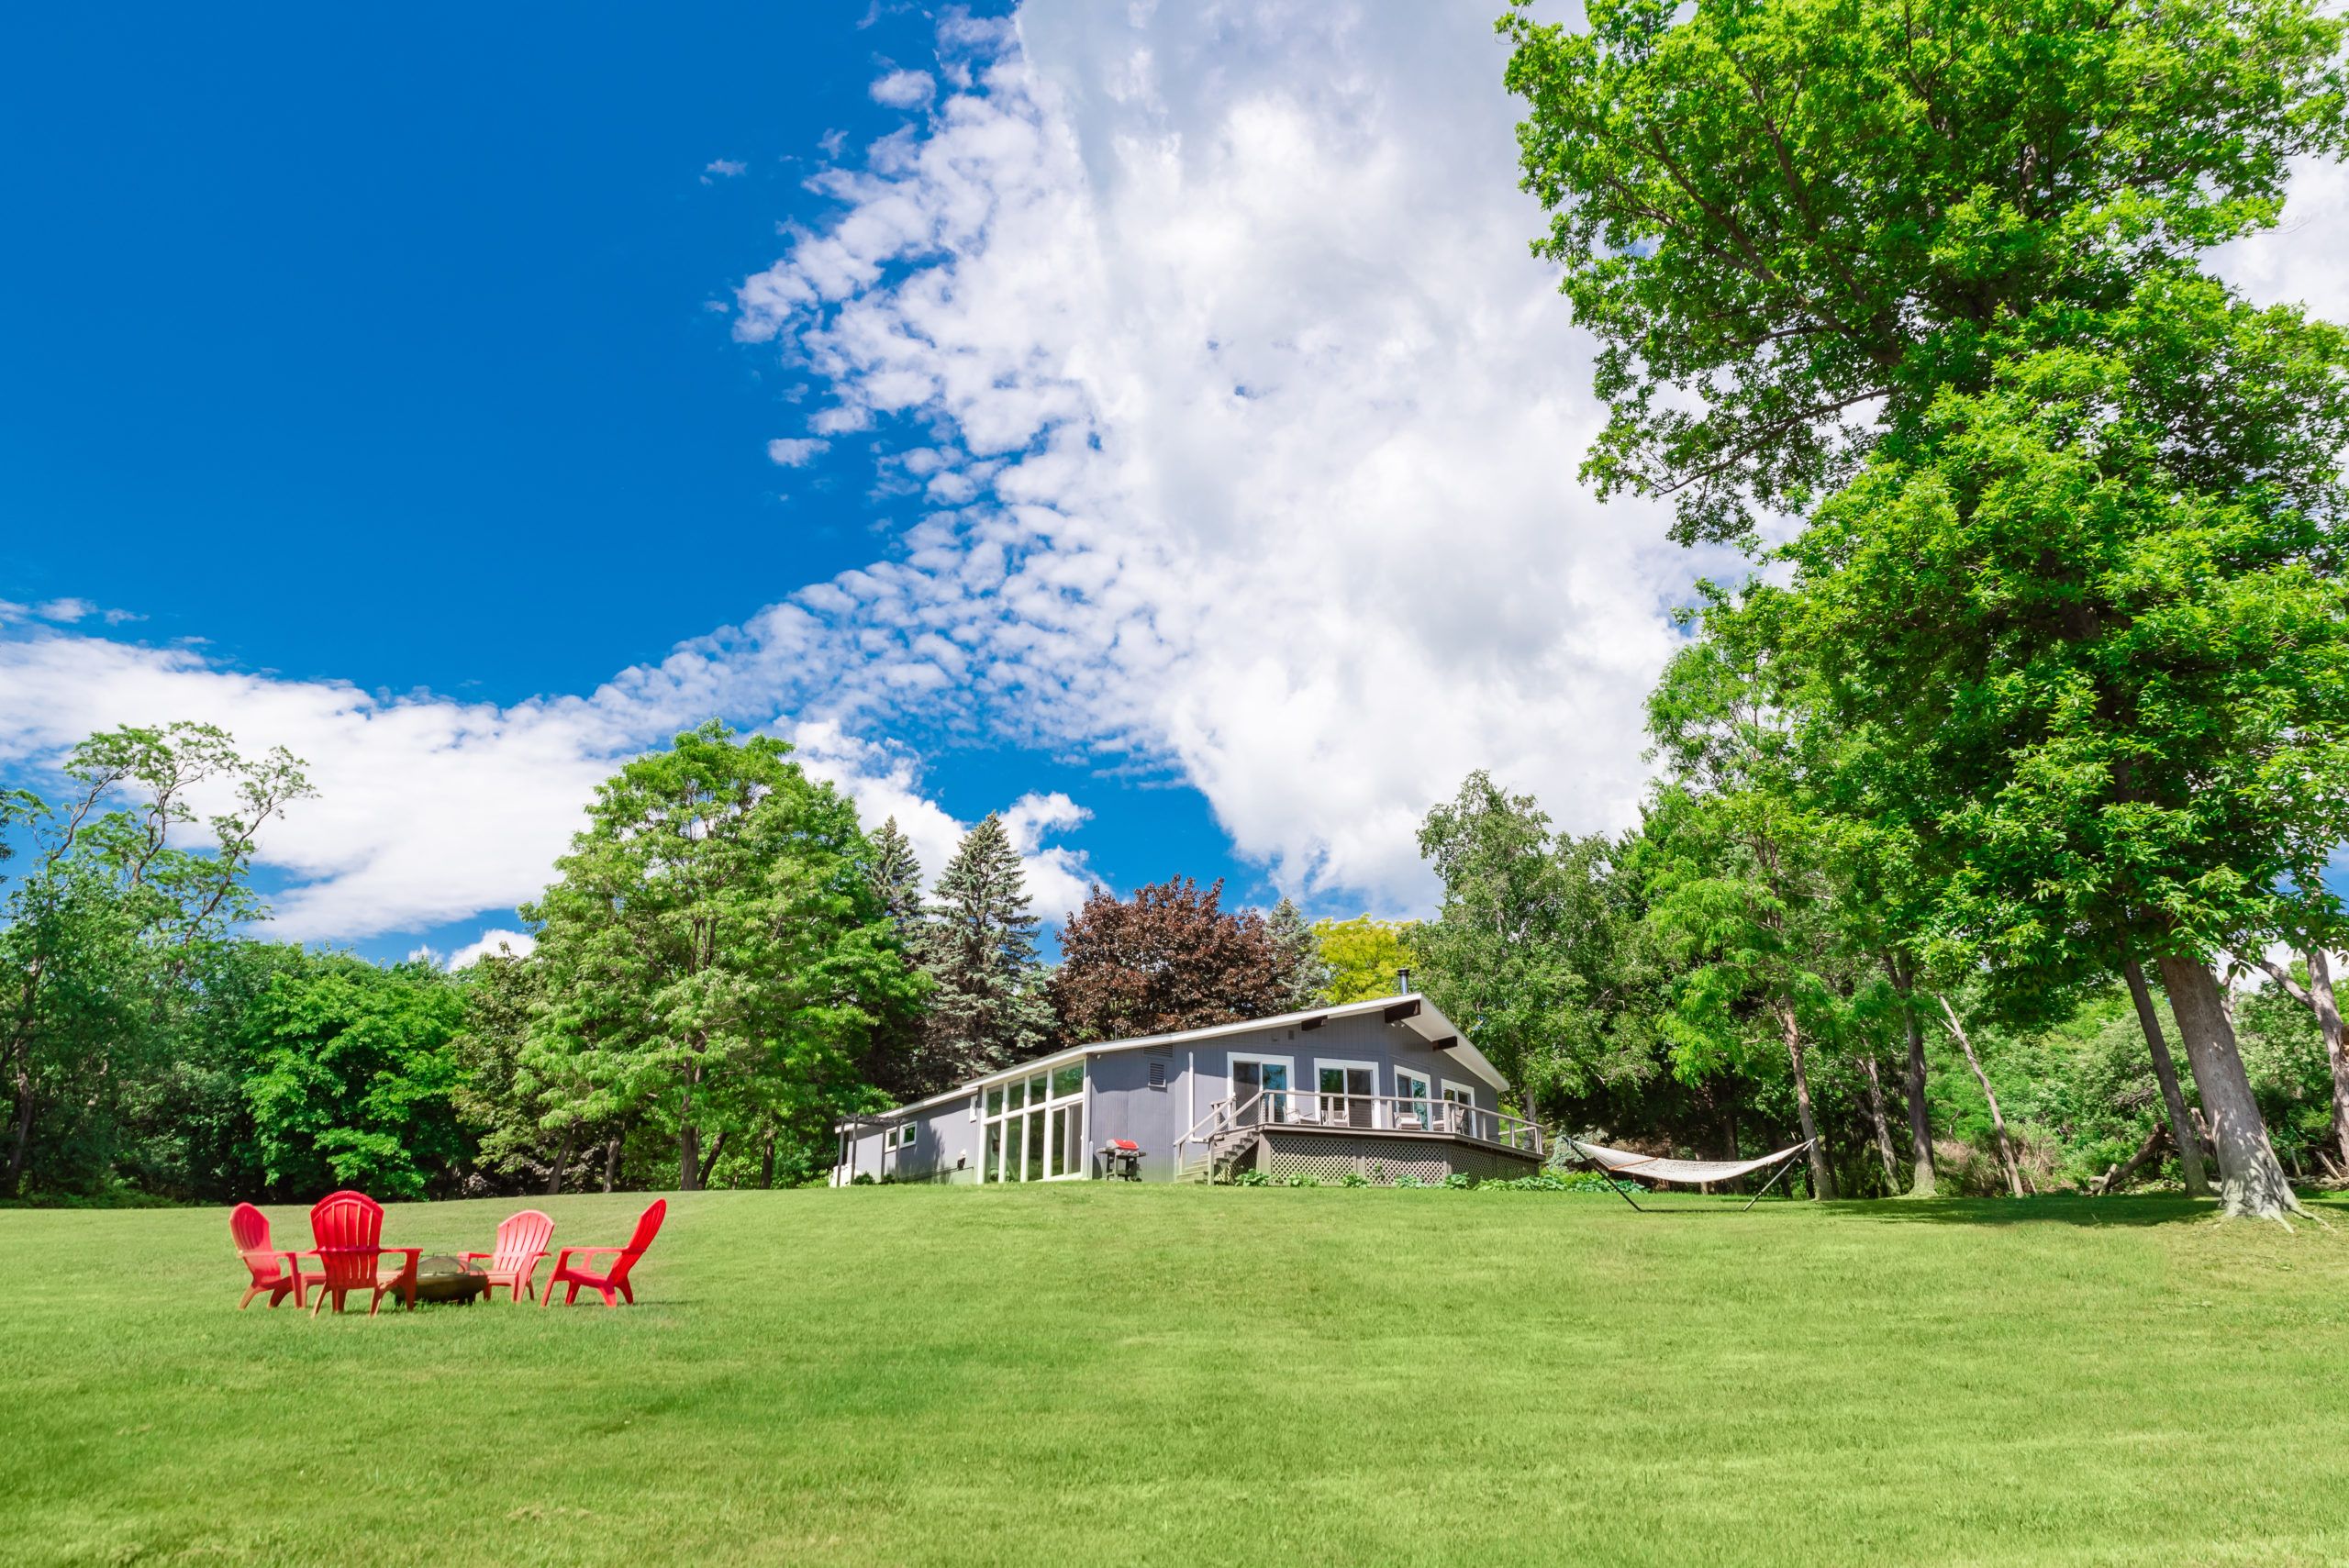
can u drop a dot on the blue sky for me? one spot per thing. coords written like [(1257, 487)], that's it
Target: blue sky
[(1145, 420), (378, 350)]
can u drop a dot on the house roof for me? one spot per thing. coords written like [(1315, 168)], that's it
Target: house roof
[(1422, 1018)]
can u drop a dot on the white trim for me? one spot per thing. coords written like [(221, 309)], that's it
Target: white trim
[(1467, 1089), (1287, 1065), (1422, 1079)]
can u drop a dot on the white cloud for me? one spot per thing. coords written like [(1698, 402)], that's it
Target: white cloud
[(65, 610), (1268, 422), (120, 618), (724, 168), (885, 784), (904, 89), (1058, 876), (790, 452), (490, 943), (430, 810)]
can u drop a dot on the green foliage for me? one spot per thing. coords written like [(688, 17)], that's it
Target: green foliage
[(715, 954), (1360, 957), (352, 1075), (2088, 643), (1536, 949), (101, 934), (1794, 212)]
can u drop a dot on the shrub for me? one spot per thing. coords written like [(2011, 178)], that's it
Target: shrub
[(1460, 1179), (1353, 1179), (1251, 1179)]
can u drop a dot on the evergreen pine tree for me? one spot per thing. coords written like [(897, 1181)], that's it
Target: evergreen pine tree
[(1303, 974), (899, 1060), (896, 876), (989, 1009)]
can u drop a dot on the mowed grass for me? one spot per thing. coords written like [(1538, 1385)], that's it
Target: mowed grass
[(1111, 1374)]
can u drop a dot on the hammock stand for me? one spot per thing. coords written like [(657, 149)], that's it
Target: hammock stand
[(1654, 1168)]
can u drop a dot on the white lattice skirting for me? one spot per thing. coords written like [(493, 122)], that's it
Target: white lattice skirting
[(1379, 1161)]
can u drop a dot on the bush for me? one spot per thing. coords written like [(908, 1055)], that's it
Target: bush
[(1460, 1179), (1407, 1180), (1353, 1179), (1251, 1179)]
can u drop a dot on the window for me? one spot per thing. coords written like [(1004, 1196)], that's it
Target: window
[(1260, 1090), (1460, 1105), (1347, 1092), (1410, 1099), (1036, 1127), (1158, 1074), (904, 1135)]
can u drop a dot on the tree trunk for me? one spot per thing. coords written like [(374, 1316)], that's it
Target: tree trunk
[(21, 1135), (2251, 1183), (710, 1164), (1997, 1120), (1921, 1110), (561, 1161), (688, 1136), (611, 1162), (2328, 1018), (1883, 1127), (766, 1166), (2181, 1126), (2121, 1172), (1822, 1180)]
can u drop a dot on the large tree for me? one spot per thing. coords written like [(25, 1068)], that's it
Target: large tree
[(1532, 947), (1169, 958), (101, 933), (2097, 624), (989, 1009), (714, 952), (1793, 223)]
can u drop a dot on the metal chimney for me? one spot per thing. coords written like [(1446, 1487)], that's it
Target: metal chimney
[(1402, 982)]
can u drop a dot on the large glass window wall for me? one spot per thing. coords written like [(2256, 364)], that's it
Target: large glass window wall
[(1035, 1128)]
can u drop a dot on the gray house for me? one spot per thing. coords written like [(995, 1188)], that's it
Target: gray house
[(1384, 1089)]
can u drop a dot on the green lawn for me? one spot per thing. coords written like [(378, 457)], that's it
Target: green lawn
[(1116, 1374)]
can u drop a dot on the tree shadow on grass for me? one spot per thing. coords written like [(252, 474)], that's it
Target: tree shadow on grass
[(2051, 1208), (2061, 1208)]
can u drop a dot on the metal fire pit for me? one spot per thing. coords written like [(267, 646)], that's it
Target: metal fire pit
[(449, 1279)]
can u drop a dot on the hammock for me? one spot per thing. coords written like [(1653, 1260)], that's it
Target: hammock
[(1623, 1162)]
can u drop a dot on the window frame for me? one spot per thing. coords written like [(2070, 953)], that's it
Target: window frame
[(1287, 1064), (992, 1163), (1343, 1064)]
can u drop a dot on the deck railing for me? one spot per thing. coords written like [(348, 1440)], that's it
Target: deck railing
[(1365, 1113)]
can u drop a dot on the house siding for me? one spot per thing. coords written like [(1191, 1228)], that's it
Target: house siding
[(1122, 1103)]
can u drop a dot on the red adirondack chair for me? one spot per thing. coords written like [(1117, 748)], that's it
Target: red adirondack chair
[(275, 1271), (521, 1242), (648, 1224), (348, 1229)]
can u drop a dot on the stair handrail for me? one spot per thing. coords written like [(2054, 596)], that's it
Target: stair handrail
[(1225, 1114)]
